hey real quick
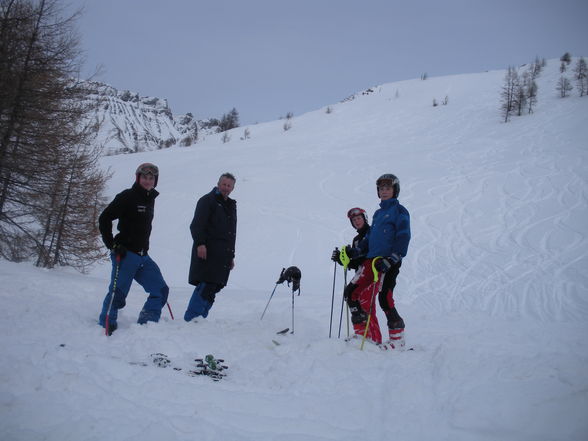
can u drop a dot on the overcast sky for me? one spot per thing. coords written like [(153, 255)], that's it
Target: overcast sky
[(270, 57)]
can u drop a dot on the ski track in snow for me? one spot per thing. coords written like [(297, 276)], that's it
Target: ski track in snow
[(529, 193)]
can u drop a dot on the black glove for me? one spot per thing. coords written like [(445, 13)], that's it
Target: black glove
[(352, 253), (384, 264), (335, 256), (119, 250), (395, 259)]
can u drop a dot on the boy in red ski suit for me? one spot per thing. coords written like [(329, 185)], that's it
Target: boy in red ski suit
[(387, 244), (358, 218)]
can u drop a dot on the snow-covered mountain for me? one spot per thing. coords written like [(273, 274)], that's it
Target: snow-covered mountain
[(131, 123), (494, 289)]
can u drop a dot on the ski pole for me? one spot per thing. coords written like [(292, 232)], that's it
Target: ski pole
[(268, 302), (367, 325), (106, 324), (342, 302), (170, 311), (341, 317), (292, 312), (345, 260), (332, 299), (347, 307)]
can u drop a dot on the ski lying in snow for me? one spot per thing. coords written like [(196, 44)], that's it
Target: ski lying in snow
[(163, 361), (282, 332), (209, 366)]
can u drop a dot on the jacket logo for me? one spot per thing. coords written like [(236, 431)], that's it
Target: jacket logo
[(141, 208)]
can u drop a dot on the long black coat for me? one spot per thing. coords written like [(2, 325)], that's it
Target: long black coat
[(214, 225)]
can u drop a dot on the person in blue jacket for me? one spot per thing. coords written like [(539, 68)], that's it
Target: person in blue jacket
[(389, 238), (134, 208), (214, 230)]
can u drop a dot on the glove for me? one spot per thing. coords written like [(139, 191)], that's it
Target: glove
[(335, 256), (395, 259), (384, 264), (119, 250), (352, 253)]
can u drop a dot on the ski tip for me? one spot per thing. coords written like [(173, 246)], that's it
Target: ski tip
[(283, 331)]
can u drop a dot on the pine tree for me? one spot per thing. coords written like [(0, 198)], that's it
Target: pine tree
[(531, 90), (564, 86), (229, 121), (509, 92), (581, 76), (39, 56)]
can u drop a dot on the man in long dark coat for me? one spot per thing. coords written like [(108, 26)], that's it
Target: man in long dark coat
[(214, 229)]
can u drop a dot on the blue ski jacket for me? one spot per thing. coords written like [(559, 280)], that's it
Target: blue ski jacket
[(390, 231)]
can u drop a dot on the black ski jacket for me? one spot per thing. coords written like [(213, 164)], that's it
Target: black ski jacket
[(214, 225), (134, 209), (359, 242)]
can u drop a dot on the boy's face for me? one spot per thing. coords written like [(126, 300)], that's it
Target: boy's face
[(147, 181), (386, 192), (358, 221)]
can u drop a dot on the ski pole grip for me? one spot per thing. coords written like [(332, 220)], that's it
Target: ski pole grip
[(374, 271), (343, 257)]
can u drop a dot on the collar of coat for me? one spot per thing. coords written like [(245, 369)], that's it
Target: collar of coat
[(219, 197), (151, 194), (389, 203)]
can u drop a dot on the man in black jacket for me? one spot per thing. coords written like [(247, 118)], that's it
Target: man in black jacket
[(134, 209), (214, 229)]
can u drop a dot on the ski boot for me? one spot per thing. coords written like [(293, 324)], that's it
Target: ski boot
[(396, 339)]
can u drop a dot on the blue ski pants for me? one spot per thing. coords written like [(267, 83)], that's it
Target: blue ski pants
[(201, 300), (145, 271)]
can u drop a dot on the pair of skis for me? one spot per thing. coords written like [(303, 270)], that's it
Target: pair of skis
[(208, 366)]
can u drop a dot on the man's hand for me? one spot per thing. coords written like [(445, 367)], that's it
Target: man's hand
[(201, 251)]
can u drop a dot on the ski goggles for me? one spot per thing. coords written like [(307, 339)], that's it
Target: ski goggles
[(386, 185), (386, 182), (148, 169), (355, 212)]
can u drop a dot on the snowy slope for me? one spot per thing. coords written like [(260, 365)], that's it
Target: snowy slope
[(493, 290)]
